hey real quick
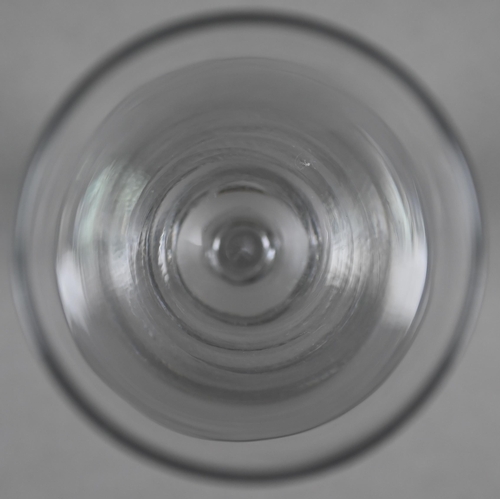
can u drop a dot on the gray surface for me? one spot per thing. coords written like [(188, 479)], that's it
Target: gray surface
[(451, 449)]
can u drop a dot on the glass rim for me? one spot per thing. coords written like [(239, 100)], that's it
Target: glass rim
[(334, 34)]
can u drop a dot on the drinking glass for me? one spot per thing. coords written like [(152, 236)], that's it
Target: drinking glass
[(248, 245)]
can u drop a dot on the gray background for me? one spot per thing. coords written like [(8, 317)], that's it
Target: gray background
[(451, 449)]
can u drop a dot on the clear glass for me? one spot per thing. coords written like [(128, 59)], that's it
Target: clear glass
[(248, 245)]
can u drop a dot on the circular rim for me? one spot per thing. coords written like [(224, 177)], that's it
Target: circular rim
[(24, 299)]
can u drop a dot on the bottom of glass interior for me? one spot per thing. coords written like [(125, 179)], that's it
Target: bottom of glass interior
[(244, 254)]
